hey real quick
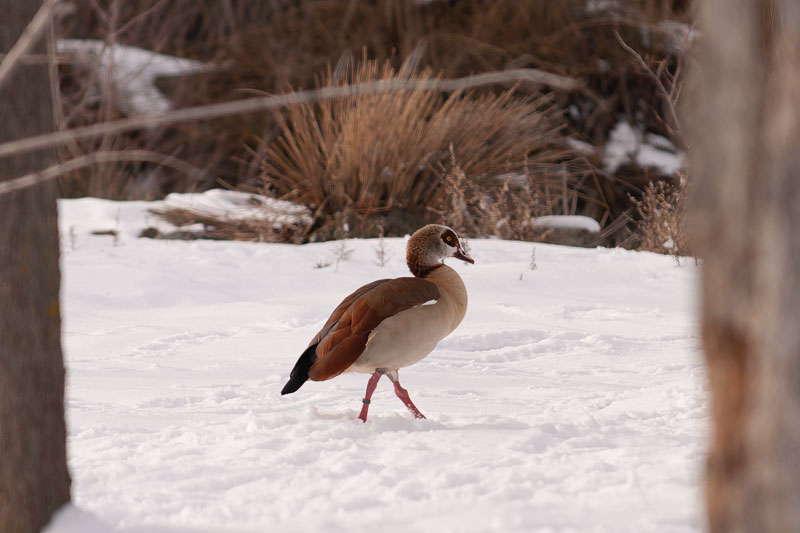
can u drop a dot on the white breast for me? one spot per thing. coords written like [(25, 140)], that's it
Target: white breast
[(409, 336)]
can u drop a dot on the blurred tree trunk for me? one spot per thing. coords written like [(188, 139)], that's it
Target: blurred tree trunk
[(34, 481), (743, 118)]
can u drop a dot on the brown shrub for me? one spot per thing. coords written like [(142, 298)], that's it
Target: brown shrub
[(379, 153), (662, 226)]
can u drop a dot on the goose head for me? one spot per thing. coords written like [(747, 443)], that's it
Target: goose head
[(429, 246)]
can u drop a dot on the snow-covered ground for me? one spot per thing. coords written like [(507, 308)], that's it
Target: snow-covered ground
[(571, 398)]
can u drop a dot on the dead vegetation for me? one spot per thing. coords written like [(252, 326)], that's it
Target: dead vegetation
[(216, 227), (510, 206), (381, 154), (662, 226), (384, 160)]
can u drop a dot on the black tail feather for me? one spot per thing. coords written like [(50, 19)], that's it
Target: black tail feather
[(299, 373)]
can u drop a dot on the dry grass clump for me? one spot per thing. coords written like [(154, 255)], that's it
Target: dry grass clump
[(373, 154), (662, 225)]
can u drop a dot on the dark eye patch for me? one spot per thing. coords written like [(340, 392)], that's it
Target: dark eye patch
[(449, 238)]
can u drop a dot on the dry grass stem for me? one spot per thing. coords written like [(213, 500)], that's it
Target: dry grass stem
[(382, 255)]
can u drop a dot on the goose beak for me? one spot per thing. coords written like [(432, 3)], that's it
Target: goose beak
[(464, 257)]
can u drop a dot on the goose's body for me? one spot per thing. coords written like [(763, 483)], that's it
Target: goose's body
[(409, 336), (391, 323)]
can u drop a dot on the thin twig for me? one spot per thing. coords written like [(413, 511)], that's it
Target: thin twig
[(667, 94), (28, 38), (55, 171), (252, 105)]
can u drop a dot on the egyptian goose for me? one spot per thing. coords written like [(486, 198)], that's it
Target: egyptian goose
[(391, 323)]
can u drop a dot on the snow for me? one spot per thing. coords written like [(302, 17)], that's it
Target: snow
[(70, 519), (628, 145), (599, 7), (567, 222), (128, 219), (681, 36), (234, 205), (576, 144), (571, 398), (133, 71)]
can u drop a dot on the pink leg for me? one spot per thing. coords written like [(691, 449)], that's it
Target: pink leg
[(371, 384), (403, 395)]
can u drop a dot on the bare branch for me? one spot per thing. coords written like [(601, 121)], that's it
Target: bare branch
[(252, 105), (55, 171), (27, 39), (670, 95)]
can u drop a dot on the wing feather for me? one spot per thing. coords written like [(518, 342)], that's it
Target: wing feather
[(344, 336)]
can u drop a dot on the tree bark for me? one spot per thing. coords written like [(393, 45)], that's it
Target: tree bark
[(743, 119), (34, 480)]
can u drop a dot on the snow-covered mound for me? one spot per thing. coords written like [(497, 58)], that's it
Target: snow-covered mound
[(234, 205), (571, 398), (132, 71), (571, 222)]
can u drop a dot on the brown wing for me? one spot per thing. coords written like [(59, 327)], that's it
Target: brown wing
[(344, 306), (344, 336)]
